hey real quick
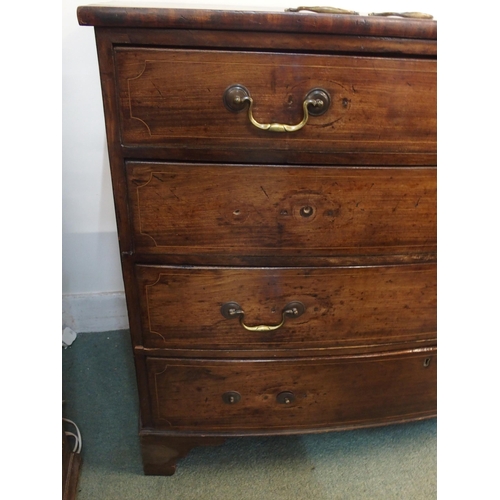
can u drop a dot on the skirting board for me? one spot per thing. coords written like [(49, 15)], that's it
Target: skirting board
[(95, 312)]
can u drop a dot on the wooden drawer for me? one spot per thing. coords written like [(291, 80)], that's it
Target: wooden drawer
[(266, 210), (174, 99), (332, 392), (344, 306)]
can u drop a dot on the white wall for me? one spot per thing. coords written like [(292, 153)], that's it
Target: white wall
[(92, 285)]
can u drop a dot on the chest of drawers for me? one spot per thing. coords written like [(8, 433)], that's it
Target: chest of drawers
[(274, 177)]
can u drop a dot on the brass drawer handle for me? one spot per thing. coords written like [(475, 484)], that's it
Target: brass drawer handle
[(236, 97), (232, 310), (408, 15), (324, 10), (335, 10)]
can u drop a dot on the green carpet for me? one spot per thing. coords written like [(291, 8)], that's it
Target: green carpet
[(393, 462)]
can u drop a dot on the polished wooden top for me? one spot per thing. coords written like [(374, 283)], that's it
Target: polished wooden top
[(165, 16)]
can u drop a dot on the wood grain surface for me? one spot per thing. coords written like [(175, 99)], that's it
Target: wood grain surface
[(181, 308), (377, 104), (256, 210), (327, 392)]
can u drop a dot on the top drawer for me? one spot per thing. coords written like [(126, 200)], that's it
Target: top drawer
[(378, 107)]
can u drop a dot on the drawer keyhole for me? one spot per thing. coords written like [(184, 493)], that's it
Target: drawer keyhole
[(231, 397), (306, 211), (285, 398)]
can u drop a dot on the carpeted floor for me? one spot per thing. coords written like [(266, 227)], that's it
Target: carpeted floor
[(393, 462)]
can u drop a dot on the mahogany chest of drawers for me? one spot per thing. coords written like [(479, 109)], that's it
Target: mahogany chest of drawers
[(274, 177)]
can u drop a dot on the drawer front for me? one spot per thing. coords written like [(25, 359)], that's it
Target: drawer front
[(346, 306), (174, 98), (292, 394), (263, 210)]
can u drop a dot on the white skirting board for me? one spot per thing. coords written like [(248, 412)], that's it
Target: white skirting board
[(95, 312)]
